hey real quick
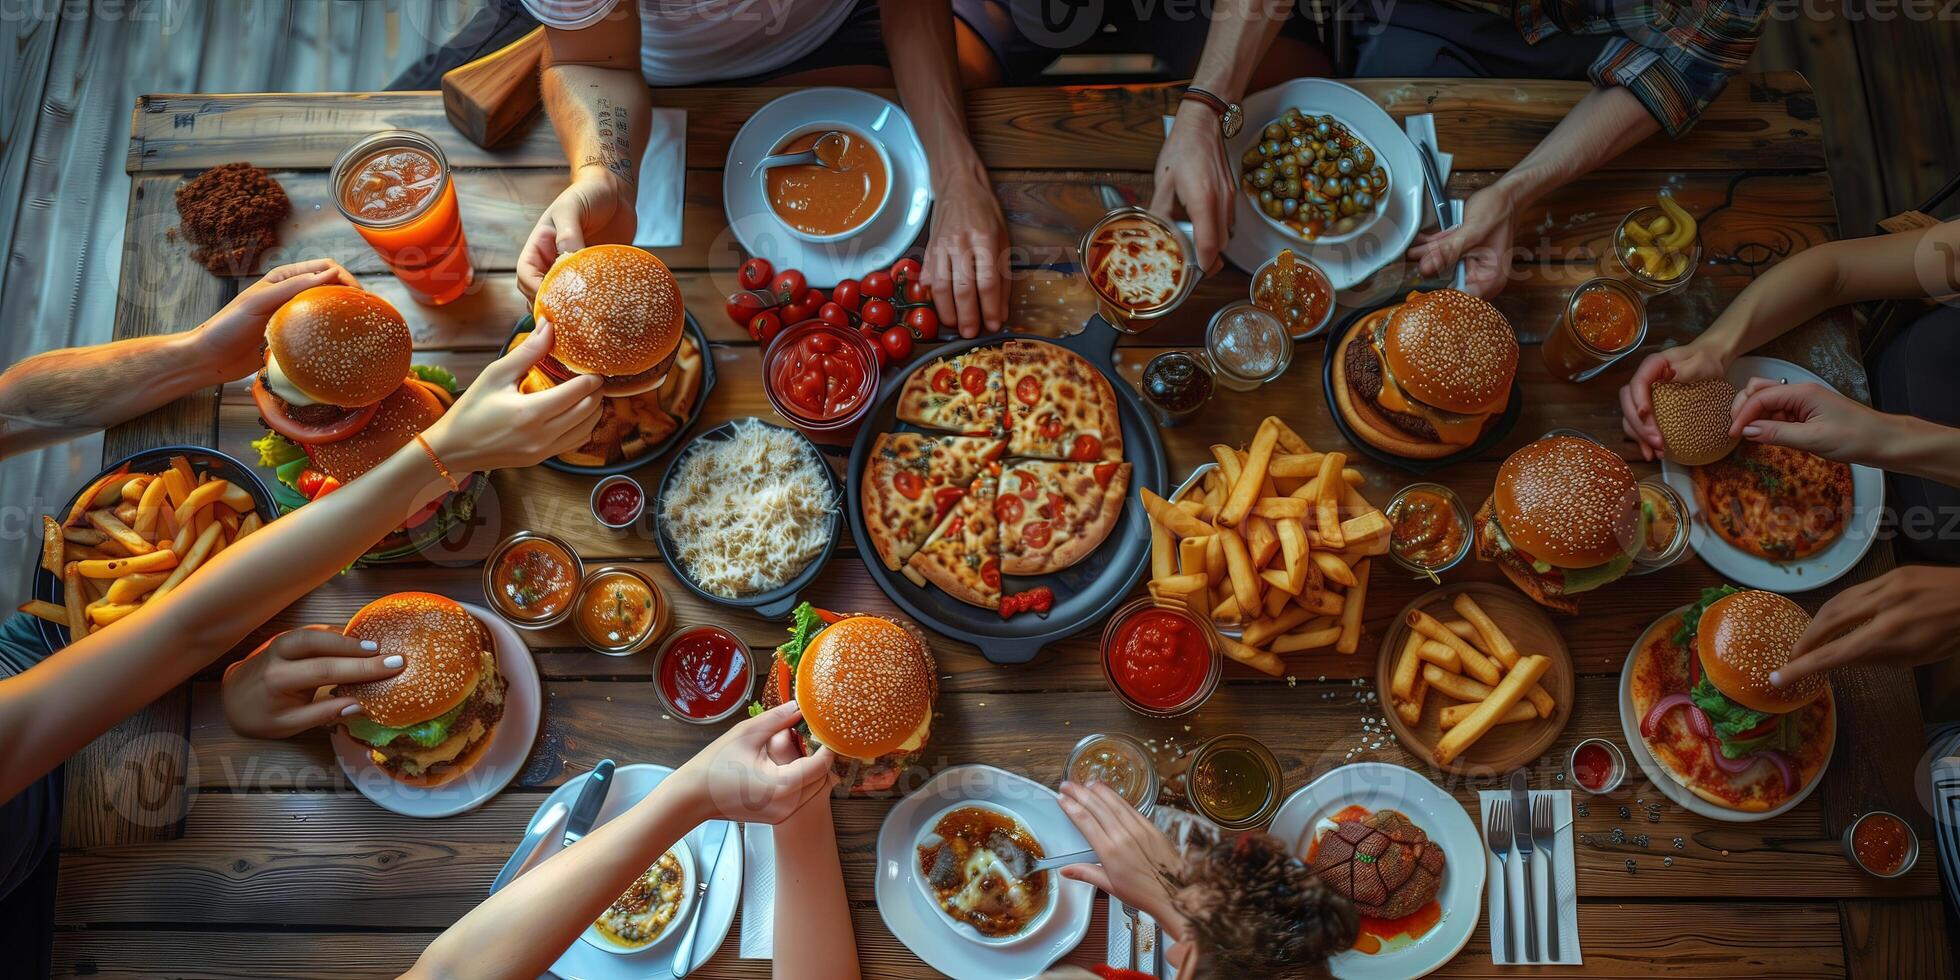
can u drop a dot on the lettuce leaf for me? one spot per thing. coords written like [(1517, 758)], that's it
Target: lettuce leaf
[(1731, 720), (276, 450), (807, 623), (428, 734), (435, 375), (1691, 620)]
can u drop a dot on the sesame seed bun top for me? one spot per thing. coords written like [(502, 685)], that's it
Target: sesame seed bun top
[(865, 686), (1568, 502), (616, 310), (1451, 350), (1694, 419), (340, 345), (1745, 636), (443, 646), (407, 410)]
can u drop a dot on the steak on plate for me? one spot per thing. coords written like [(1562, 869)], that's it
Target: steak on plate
[(1382, 861)]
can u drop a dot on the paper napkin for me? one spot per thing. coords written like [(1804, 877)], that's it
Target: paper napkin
[(663, 179), (758, 891), (1502, 919)]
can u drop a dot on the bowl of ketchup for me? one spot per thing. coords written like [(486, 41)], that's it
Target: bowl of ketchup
[(820, 376), (1160, 660), (702, 674)]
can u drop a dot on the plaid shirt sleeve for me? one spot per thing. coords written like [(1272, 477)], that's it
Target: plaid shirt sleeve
[(1676, 66)]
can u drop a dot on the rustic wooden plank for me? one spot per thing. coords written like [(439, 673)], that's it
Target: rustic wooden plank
[(1898, 55), (1822, 48), (1896, 938)]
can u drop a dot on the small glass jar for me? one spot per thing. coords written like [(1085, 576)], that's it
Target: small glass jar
[(1246, 347), (1120, 761), (618, 518), (1667, 540), (1121, 317), (1616, 770), (1457, 511), (1270, 292), (659, 673), (776, 369), (661, 616), (503, 604), (1215, 666), (1235, 782), (1905, 864), (1176, 385), (1617, 262), (1572, 356)]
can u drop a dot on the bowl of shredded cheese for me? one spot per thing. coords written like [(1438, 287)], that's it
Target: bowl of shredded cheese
[(748, 515)]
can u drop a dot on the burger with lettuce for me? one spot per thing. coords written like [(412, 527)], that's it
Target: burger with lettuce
[(432, 721), (866, 686), (1564, 518)]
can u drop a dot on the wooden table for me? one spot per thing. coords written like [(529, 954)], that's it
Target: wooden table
[(190, 850)]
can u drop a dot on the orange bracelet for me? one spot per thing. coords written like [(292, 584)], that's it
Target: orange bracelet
[(433, 458)]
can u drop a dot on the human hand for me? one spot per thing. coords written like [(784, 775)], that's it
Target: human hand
[(231, 341), (1482, 243), (754, 772), (493, 425), (1906, 617), (1810, 417), (965, 262), (1684, 364), (1192, 170), (270, 693), (596, 208), (1136, 857)]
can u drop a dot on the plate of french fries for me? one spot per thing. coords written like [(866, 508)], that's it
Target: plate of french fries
[(137, 532), (1475, 679), (636, 429), (1274, 542)]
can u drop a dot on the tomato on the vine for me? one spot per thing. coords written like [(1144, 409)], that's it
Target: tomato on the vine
[(897, 342), (846, 295), (805, 307), (789, 286), (878, 284), (906, 270), (756, 273), (923, 321), (916, 293), (884, 356), (878, 313), (742, 307), (832, 313), (764, 327)]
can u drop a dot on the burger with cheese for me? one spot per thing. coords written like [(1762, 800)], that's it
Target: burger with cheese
[(615, 311), (430, 723), (1564, 518), (866, 686), (1426, 378)]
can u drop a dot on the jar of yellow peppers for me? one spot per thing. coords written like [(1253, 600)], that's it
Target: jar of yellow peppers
[(1655, 248)]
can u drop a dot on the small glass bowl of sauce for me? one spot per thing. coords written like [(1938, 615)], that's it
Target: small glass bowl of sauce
[(1429, 528), (703, 674), (1295, 289), (1882, 844), (1596, 766), (1161, 661), (1235, 782), (532, 578), (618, 501), (1120, 762), (621, 610)]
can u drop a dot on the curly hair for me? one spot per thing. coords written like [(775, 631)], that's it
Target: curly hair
[(1256, 910)]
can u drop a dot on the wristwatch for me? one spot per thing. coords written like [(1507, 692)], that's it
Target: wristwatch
[(1230, 116)]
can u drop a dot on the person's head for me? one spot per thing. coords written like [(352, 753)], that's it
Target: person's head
[(1256, 910)]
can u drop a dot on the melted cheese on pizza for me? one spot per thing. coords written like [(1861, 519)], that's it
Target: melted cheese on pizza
[(1775, 502)]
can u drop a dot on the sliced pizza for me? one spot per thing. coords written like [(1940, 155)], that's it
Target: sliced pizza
[(962, 393), (963, 555), (1775, 502), (910, 482), (1054, 514), (1058, 405)]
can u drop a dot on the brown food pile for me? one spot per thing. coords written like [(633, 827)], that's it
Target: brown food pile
[(1382, 861), (231, 213)]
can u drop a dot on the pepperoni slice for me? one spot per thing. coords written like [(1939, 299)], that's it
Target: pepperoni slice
[(908, 483), (1085, 447), (1030, 485), (974, 381), (942, 381), (1036, 534), (1008, 508), (990, 573), (1028, 390), (943, 500), (958, 524), (1051, 426), (1104, 471)]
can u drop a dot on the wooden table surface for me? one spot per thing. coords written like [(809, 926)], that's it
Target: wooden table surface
[(190, 850)]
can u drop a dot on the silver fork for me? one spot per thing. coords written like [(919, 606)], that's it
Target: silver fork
[(1497, 831), (1545, 836)]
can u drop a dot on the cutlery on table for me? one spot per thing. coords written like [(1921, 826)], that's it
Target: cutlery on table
[(1020, 864), (1497, 833), (591, 797), (716, 837), (527, 848), (1521, 822), (1545, 835), (1432, 175)]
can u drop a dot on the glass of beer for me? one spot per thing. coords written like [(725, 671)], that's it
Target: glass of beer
[(1139, 266), (1603, 321), (396, 188)]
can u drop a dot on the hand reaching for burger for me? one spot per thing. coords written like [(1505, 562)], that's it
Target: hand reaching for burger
[(1136, 858), (596, 208), (1906, 617), (1682, 365), (232, 341), (493, 425), (740, 776), (270, 693)]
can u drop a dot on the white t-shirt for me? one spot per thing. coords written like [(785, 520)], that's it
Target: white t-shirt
[(690, 42)]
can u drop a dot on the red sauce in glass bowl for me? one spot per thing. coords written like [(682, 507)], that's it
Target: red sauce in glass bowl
[(1161, 660), (618, 504), (1592, 765), (704, 673), (820, 376)]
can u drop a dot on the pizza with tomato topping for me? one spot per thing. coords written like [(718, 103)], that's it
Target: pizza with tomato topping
[(1775, 502), (961, 393), (1058, 405), (962, 556), (1053, 514), (910, 483)]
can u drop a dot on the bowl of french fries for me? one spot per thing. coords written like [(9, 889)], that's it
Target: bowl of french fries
[(1476, 679), (1274, 542), (636, 429), (138, 531)]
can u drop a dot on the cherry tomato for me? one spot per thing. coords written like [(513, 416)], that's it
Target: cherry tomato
[(1103, 473), (327, 485), (897, 342), (789, 286), (756, 273), (764, 327), (907, 482), (1028, 390), (742, 307), (1051, 426), (1029, 485), (990, 573), (1008, 509), (832, 313), (906, 270), (884, 356), (974, 380), (1036, 534), (878, 313), (878, 284), (943, 380), (1086, 447), (943, 500), (309, 482), (846, 294), (923, 322), (916, 293)]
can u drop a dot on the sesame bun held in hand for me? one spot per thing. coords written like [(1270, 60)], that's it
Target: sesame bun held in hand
[(429, 723), (618, 314), (1693, 419), (866, 686), (1564, 518), (1427, 378)]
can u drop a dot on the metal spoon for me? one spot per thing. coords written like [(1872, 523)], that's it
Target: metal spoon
[(827, 152)]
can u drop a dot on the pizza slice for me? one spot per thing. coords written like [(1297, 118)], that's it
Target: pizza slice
[(962, 393), (963, 555), (1053, 515), (911, 480), (1059, 405)]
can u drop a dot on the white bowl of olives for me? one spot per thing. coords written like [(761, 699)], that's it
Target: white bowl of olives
[(1312, 178)]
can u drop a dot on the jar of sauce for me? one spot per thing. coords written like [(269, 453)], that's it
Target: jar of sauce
[(1666, 542), (702, 674), (820, 376), (1429, 528), (532, 578), (1176, 385), (1120, 762), (1160, 661), (1235, 782), (1596, 766), (1139, 266), (1295, 289), (621, 610), (618, 501), (1882, 844), (1602, 321)]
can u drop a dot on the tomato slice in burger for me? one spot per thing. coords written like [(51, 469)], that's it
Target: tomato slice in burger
[(273, 410)]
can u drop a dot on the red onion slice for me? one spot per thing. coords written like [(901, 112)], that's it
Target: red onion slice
[(1786, 766), (1733, 767), (1650, 726)]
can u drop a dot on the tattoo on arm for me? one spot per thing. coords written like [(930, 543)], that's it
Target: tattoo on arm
[(615, 140)]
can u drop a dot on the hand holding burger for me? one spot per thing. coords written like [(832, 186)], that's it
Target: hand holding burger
[(494, 426), (743, 776), (1688, 364), (270, 693), (230, 341)]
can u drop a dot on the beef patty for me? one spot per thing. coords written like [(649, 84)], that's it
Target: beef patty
[(1364, 378), (316, 414), (1386, 864)]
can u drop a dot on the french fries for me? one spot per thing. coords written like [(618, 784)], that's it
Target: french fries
[(45, 610), (1508, 693), (1474, 663)]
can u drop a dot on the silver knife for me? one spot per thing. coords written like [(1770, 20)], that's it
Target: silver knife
[(1521, 835), (718, 839), (591, 797), (528, 847), (1432, 174)]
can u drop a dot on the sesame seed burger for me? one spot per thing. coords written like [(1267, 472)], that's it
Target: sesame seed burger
[(1564, 518), (428, 724), (866, 686), (1694, 420), (616, 311), (1428, 377)]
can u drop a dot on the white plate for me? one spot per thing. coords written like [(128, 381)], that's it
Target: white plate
[(881, 241), (1348, 262), (670, 935), (1380, 786), (1658, 774), (1816, 571), (510, 741), (902, 903), (581, 961)]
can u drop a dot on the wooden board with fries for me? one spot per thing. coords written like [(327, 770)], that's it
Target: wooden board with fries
[(1475, 679), (1272, 541), (637, 428), (131, 537)]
